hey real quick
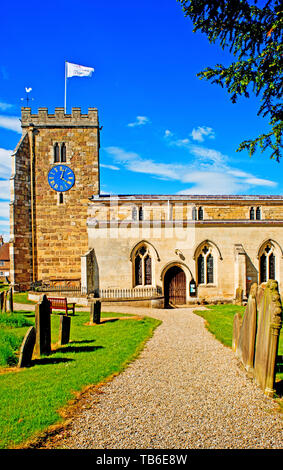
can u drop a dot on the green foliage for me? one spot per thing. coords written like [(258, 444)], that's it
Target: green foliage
[(9, 343), (12, 331), (254, 36)]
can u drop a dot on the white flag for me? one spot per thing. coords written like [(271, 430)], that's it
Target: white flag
[(74, 70)]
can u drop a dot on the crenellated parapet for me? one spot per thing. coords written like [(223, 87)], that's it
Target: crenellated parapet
[(59, 118)]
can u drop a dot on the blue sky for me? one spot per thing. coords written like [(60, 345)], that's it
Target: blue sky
[(164, 130)]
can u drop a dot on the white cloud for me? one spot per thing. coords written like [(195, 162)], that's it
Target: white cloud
[(208, 173), (201, 132), (260, 182), (140, 121), (110, 167), (5, 163), (11, 122), (5, 106), (180, 143), (4, 211), (206, 155), (5, 189), (168, 133)]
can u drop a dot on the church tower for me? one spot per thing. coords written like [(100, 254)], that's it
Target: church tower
[(55, 170)]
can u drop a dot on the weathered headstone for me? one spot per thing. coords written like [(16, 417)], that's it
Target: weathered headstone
[(27, 348), (10, 302), (237, 323), (269, 313), (2, 301), (239, 296), (43, 327), (65, 327), (95, 311), (246, 344)]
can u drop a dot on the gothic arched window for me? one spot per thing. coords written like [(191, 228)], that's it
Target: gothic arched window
[(200, 213), (194, 213), (134, 213), (143, 267), (140, 213), (63, 152), (56, 153), (252, 213), (267, 264), (205, 266), (258, 213)]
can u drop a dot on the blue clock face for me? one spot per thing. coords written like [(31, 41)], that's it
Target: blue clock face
[(61, 178)]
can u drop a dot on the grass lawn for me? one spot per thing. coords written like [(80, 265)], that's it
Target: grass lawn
[(31, 397)]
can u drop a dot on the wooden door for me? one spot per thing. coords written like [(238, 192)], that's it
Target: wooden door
[(175, 286)]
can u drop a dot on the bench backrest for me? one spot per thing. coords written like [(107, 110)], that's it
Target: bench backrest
[(57, 302)]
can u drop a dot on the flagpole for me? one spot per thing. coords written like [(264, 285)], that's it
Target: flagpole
[(65, 103)]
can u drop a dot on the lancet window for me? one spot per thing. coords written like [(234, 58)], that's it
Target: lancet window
[(143, 267), (60, 154), (205, 266), (267, 264)]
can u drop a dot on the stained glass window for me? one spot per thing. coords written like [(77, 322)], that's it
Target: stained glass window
[(201, 269), (138, 271), (147, 268), (271, 266), (209, 269), (263, 268), (143, 267)]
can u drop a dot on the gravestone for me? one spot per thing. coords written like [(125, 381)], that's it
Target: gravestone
[(43, 327), (269, 310), (246, 343), (95, 312), (239, 296), (65, 327), (237, 323), (10, 303), (4, 301), (2, 294), (27, 348)]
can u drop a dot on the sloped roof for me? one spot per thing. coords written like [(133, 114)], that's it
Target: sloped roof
[(4, 252)]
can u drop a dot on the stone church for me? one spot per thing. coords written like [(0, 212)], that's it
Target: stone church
[(180, 248)]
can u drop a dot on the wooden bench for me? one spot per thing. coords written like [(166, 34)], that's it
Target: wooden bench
[(59, 303)]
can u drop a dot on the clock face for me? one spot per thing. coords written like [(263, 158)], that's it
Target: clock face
[(61, 178)]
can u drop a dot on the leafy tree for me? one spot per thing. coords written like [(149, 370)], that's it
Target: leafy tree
[(254, 35)]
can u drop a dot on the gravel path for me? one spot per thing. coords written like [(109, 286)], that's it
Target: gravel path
[(185, 391)]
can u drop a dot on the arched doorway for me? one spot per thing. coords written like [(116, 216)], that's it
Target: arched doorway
[(175, 286)]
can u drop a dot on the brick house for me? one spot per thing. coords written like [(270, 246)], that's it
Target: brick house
[(4, 259)]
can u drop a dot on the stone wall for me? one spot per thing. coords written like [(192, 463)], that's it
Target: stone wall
[(20, 217), (60, 235), (235, 252)]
